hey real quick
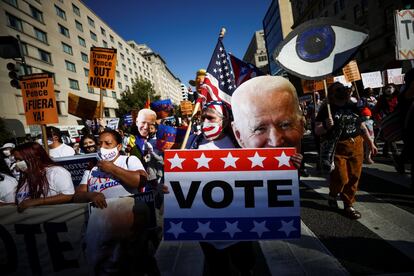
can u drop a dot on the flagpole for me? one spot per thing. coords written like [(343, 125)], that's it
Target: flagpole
[(197, 105)]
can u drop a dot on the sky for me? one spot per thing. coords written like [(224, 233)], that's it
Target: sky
[(184, 32)]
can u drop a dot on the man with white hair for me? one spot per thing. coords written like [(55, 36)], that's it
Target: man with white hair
[(267, 115)]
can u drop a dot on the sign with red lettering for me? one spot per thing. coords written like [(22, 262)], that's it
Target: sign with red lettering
[(39, 99), (231, 194)]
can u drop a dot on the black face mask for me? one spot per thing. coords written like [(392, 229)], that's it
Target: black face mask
[(90, 149)]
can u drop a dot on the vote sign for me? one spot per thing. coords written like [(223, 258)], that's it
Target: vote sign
[(231, 194)]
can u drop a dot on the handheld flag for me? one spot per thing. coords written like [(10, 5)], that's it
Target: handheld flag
[(169, 137), (148, 103), (243, 71), (163, 108)]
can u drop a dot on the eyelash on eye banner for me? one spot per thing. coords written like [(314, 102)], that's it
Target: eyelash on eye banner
[(319, 47)]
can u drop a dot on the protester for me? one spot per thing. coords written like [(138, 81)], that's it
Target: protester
[(267, 115), (41, 181), (88, 144), (369, 123), (114, 176), (125, 139), (347, 124), (367, 99), (7, 156), (8, 184), (56, 146), (216, 134), (76, 148)]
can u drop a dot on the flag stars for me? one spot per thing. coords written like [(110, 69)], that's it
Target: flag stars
[(202, 161)]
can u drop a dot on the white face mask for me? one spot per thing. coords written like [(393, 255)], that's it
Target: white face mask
[(108, 154), (211, 131), (6, 153), (49, 142), (21, 165)]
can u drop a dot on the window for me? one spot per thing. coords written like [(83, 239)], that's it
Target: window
[(90, 89), (79, 26), (119, 85), (135, 65), (91, 22), (14, 22), (82, 41), (36, 14), (133, 56), (111, 38), (50, 74), (63, 30), (11, 2), (76, 10), (106, 112), (123, 67), (125, 77), (130, 71), (93, 36), (73, 84), (114, 94), (84, 57), (104, 93), (129, 61), (24, 48), (127, 51), (40, 35), (120, 45), (105, 44), (103, 32), (67, 48), (118, 74), (70, 66), (86, 71), (61, 13), (122, 57), (45, 56)]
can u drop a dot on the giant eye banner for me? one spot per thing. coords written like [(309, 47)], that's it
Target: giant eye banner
[(319, 47)]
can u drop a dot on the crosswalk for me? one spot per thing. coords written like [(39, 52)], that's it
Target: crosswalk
[(380, 243)]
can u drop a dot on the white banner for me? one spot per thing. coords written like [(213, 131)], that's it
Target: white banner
[(372, 79), (342, 80), (404, 34), (395, 76)]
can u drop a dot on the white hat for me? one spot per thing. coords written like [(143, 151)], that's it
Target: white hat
[(8, 145)]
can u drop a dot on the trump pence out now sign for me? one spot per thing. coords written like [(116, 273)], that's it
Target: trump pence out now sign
[(231, 194), (102, 68)]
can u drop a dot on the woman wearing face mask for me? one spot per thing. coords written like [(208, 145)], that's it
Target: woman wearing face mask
[(41, 181), (88, 144), (113, 176), (216, 133), (8, 184)]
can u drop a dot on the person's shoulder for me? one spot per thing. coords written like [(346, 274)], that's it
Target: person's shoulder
[(57, 170)]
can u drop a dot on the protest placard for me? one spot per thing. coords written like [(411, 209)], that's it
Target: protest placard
[(256, 195), (186, 108), (112, 123), (394, 76), (102, 67), (351, 71), (77, 165), (372, 79), (39, 99), (342, 80), (310, 86), (83, 107), (404, 34)]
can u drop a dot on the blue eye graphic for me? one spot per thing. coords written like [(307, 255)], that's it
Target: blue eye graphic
[(319, 47)]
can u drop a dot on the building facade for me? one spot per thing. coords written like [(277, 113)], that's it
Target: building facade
[(277, 24), (56, 38), (166, 84), (184, 92), (256, 53), (376, 16)]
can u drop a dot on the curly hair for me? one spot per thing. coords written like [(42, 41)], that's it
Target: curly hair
[(37, 161)]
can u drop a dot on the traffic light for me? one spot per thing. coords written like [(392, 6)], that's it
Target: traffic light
[(14, 74)]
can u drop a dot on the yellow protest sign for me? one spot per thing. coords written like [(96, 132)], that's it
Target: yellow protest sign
[(186, 108), (102, 67), (39, 99), (83, 107), (351, 71)]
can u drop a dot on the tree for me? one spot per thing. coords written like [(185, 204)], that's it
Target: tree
[(135, 97)]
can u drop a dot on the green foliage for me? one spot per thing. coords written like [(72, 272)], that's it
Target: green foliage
[(136, 97), (5, 135)]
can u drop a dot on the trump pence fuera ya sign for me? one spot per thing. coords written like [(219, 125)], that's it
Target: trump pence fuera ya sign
[(231, 194)]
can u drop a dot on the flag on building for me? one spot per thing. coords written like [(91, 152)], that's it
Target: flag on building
[(243, 71), (219, 82)]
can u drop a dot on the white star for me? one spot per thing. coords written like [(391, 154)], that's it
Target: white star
[(232, 228), (227, 74), (230, 87), (229, 81), (223, 55), (224, 61), (215, 70), (225, 67), (257, 160), (223, 83), (202, 161), (221, 49), (221, 77), (260, 228), (230, 161), (283, 159), (220, 70), (176, 229), (287, 227), (203, 229), (176, 161)]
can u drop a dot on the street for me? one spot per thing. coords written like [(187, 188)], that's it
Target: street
[(381, 242)]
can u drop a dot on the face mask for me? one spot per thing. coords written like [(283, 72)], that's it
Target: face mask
[(211, 131), (6, 153), (389, 91), (108, 154), (90, 149), (49, 141), (21, 165)]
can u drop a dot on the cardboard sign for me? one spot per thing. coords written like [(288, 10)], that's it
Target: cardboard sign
[(39, 99), (342, 80), (113, 123), (372, 79), (231, 194), (73, 132), (186, 108), (102, 68), (77, 165), (351, 71), (394, 76), (404, 34), (310, 86), (82, 107)]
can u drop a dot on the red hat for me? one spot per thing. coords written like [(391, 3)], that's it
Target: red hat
[(366, 111)]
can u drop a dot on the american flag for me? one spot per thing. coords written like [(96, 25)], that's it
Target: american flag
[(219, 82)]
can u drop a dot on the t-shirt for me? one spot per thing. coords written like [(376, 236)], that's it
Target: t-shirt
[(61, 151), (223, 143), (345, 117), (103, 182), (60, 182), (7, 189)]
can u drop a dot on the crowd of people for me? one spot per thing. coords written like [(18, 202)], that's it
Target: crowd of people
[(265, 113)]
